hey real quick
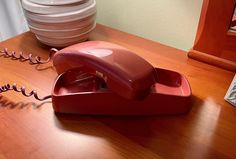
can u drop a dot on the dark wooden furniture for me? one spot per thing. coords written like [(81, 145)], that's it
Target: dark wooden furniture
[(214, 43), (30, 129)]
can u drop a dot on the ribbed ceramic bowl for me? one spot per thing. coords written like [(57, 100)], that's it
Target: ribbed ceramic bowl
[(63, 16), (55, 9), (55, 2), (60, 23), (56, 42), (64, 25), (62, 34)]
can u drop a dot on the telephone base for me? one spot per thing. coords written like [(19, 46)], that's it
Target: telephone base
[(171, 94)]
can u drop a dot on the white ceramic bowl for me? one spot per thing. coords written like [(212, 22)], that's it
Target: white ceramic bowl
[(62, 42), (60, 23), (55, 2), (61, 34), (63, 17), (49, 9), (63, 26)]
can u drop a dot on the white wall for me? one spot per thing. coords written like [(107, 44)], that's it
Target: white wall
[(171, 22)]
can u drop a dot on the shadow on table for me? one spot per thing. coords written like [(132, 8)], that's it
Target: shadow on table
[(6, 103), (156, 132), (126, 125)]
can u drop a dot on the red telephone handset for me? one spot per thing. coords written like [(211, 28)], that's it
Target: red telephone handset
[(124, 72), (98, 77)]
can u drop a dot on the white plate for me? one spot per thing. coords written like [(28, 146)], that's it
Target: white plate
[(43, 9), (55, 2), (63, 17)]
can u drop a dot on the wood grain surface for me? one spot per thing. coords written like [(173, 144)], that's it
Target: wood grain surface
[(30, 129), (215, 43)]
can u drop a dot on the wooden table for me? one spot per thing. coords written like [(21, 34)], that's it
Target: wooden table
[(30, 129)]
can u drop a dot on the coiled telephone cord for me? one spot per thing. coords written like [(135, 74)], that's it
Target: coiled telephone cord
[(13, 87), (83, 77), (32, 60)]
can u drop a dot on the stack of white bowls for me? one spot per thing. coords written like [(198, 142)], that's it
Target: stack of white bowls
[(60, 23)]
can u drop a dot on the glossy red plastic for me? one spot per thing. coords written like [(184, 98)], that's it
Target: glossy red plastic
[(125, 73), (100, 78)]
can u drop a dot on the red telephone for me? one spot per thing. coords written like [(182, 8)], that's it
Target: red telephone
[(102, 78)]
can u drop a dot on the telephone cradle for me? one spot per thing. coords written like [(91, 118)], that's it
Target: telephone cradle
[(101, 78)]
